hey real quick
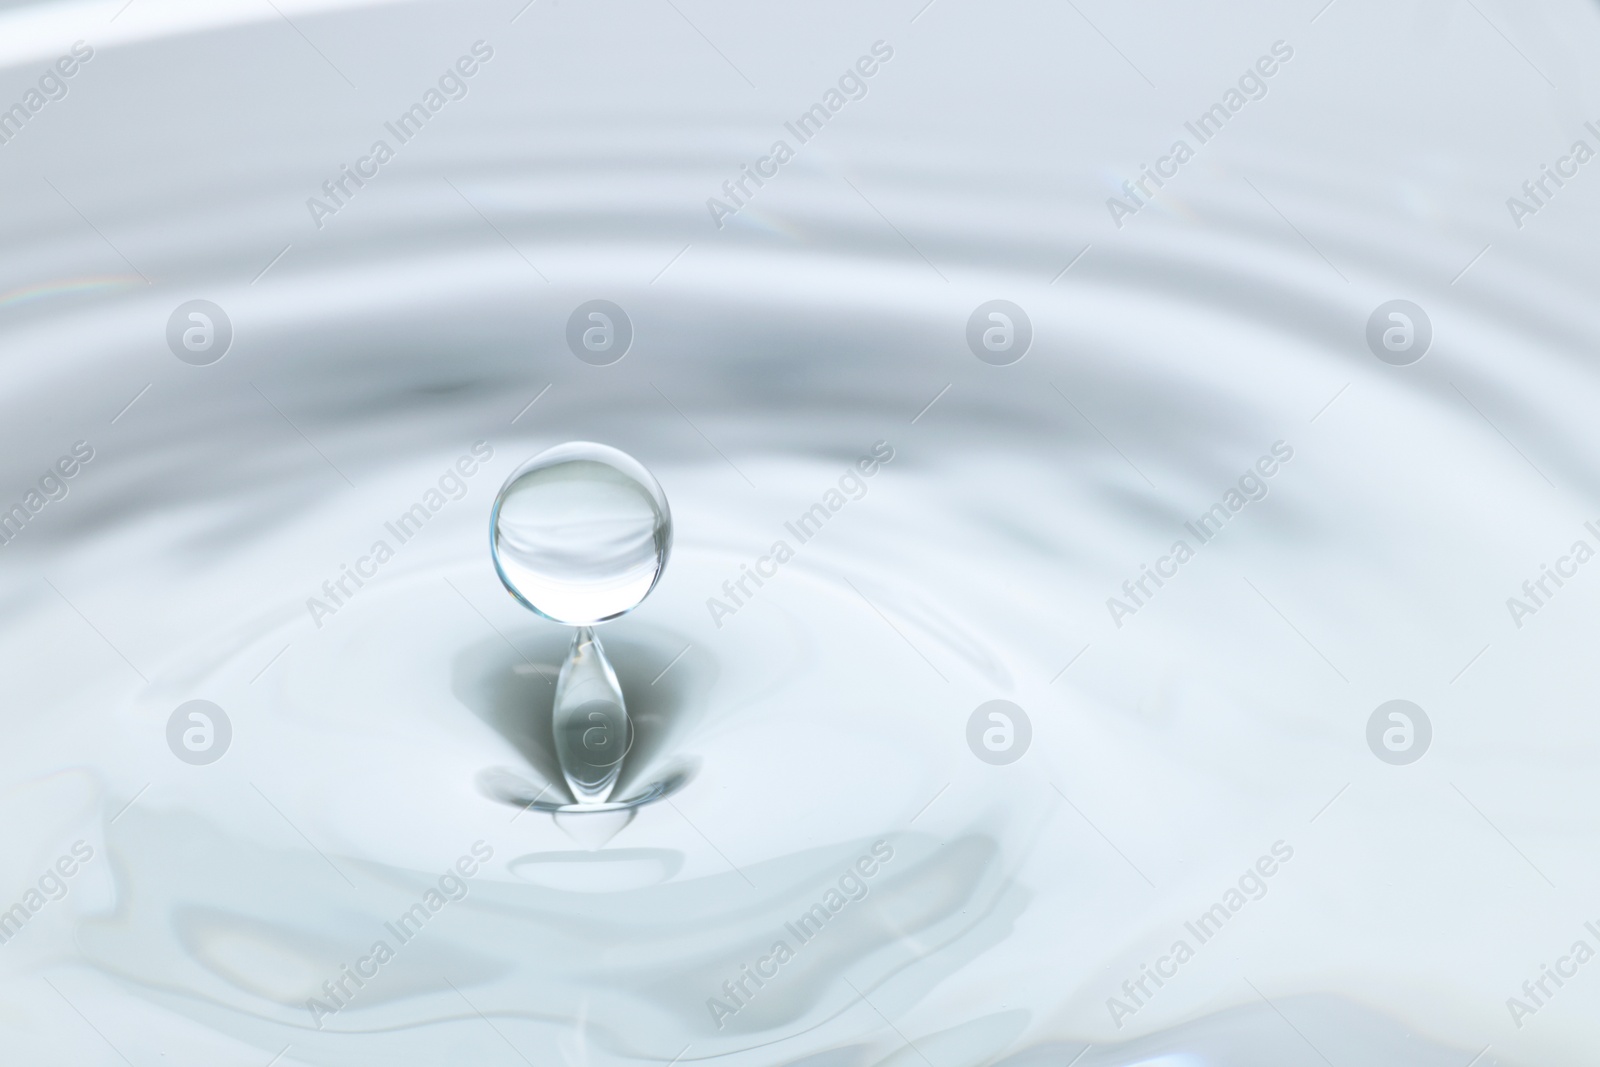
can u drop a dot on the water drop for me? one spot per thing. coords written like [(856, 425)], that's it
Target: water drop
[(580, 534), (590, 720)]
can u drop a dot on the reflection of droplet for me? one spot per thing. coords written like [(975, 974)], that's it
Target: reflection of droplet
[(590, 722), (581, 533), (612, 871), (593, 829)]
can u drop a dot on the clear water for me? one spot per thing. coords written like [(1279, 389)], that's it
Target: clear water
[(589, 721), (204, 546), (581, 533)]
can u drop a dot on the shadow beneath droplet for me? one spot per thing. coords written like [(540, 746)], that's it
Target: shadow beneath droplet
[(513, 691)]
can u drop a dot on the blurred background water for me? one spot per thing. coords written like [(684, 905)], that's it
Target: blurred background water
[(371, 344)]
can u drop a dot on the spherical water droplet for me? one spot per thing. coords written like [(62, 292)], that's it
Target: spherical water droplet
[(581, 533)]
